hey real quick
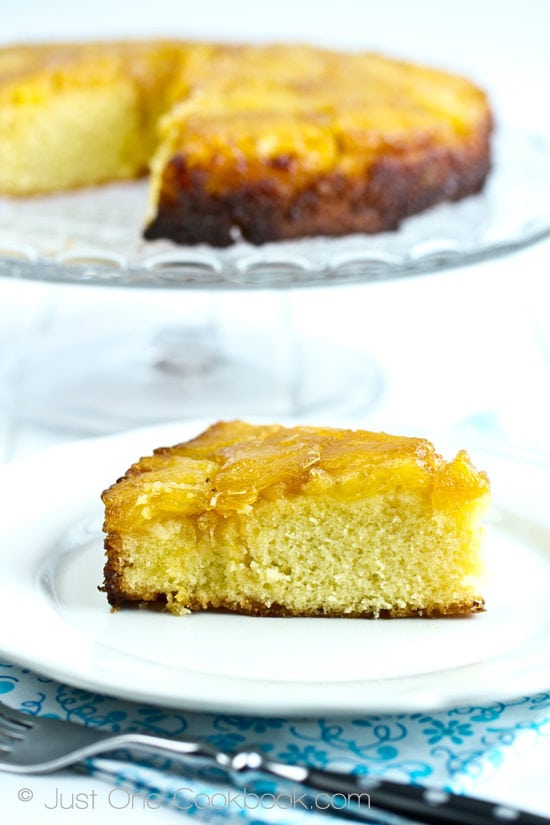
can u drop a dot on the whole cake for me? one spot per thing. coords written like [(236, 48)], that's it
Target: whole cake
[(299, 521), (258, 142)]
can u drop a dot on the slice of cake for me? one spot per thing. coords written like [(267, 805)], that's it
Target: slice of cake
[(300, 521)]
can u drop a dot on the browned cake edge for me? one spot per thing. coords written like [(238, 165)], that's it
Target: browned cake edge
[(397, 186), (117, 597)]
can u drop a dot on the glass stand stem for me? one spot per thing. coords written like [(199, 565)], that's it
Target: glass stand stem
[(123, 359)]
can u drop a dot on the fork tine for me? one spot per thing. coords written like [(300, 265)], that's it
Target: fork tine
[(14, 719), (10, 733)]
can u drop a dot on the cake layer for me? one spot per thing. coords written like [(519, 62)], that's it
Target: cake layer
[(73, 115), (298, 521)]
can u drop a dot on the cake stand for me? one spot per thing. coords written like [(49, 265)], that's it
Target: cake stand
[(169, 332)]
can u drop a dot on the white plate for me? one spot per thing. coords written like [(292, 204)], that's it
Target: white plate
[(53, 618)]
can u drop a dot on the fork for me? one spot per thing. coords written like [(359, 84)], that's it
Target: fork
[(34, 745)]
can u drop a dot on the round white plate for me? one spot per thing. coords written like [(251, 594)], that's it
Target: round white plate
[(54, 619)]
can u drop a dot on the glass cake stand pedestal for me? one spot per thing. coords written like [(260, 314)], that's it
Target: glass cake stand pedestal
[(167, 332)]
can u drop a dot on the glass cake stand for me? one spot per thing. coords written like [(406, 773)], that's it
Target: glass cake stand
[(187, 332)]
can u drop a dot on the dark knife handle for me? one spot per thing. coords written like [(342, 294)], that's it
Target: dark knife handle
[(429, 806)]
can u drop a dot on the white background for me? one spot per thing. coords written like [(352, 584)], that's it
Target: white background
[(452, 345)]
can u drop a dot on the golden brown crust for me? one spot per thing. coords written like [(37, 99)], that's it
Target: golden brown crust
[(112, 571), (118, 598), (396, 186)]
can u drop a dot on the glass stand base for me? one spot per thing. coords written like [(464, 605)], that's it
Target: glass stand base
[(89, 379)]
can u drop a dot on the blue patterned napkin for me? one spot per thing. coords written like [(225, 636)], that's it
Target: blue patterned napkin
[(459, 749)]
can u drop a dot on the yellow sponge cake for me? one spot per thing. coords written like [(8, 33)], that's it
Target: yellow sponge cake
[(78, 114), (299, 521)]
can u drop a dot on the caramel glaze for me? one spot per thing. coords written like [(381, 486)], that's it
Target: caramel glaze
[(232, 465)]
